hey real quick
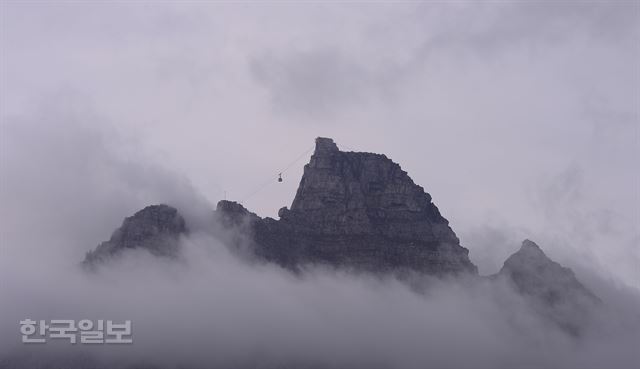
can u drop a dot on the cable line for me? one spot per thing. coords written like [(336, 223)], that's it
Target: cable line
[(277, 177)]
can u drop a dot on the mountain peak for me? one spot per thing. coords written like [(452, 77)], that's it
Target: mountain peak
[(530, 259), (527, 243), (532, 250), (155, 228), (554, 289), (360, 210), (325, 145)]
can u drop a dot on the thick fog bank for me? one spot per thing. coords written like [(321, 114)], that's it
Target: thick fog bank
[(212, 309)]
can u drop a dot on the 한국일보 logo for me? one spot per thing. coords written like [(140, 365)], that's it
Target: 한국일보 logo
[(84, 331)]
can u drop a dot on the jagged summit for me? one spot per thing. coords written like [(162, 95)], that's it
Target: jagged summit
[(354, 192), (528, 244), (534, 273), (325, 145), (155, 228), (531, 259), (359, 210), (554, 289), (531, 250), (352, 209)]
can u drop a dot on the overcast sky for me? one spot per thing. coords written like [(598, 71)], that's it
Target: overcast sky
[(520, 118)]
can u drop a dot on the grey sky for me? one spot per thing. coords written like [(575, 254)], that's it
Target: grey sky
[(520, 118)]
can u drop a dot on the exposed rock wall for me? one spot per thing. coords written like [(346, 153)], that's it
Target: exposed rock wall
[(358, 210), (155, 228)]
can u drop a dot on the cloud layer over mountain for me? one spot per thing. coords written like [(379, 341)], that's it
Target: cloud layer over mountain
[(521, 119)]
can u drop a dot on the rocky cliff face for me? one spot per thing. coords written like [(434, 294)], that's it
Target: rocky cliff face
[(357, 210), (360, 211), (155, 228), (353, 210)]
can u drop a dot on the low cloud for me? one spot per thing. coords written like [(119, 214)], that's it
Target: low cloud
[(105, 105), (212, 308)]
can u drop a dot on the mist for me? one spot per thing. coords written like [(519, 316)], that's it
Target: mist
[(215, 308), (523, 123)]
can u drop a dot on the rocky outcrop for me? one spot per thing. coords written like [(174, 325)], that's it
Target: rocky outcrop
[(355, 210), (155, 228), (351, 210), (552, 289), (360, 211)]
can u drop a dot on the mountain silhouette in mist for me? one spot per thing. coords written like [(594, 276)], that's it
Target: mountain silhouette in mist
[(358, 211)]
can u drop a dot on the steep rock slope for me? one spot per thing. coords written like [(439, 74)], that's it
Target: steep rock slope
[(356, 210), (155, 228), (552, 289), (360, 211)]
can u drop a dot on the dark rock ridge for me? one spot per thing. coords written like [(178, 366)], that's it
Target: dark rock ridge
[(553, 289), (356, 210), (533, 273), (360, 211), (352, 209), (155, 228)]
